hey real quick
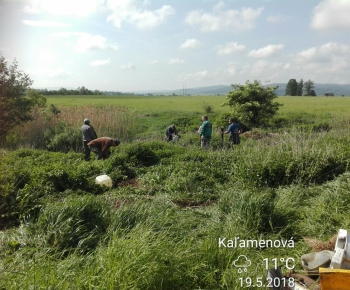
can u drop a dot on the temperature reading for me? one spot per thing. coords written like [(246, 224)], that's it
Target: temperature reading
[(275, 262)]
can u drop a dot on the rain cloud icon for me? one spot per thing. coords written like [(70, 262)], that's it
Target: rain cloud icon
[(242, 262)]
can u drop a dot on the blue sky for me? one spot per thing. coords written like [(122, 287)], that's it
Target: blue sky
[(131, 45)]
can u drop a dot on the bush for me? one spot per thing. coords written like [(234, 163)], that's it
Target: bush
[(63, 138), (28, 177)]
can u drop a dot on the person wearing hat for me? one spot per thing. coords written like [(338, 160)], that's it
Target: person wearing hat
[(170, 133), (101, 145), (89, 134)]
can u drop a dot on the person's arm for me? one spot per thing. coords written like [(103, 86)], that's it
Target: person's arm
[(201, 129), (228, 129), (92, 133)]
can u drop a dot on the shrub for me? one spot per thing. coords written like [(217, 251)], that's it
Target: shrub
[(63, 138), (208, 109)]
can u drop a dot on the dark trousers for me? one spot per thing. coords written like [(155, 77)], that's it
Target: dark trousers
[(205, 142), (86, 150), (169, 137), (234, 138), (97, 151)]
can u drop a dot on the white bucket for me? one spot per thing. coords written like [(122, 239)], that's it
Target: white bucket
[(104, 180)]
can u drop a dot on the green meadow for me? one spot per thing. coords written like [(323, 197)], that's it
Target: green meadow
[(177, 216), (312, 105)]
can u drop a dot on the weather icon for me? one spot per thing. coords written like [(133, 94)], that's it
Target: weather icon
[(242, 263)]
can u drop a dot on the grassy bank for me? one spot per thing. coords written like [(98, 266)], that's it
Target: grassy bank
[(175, 212), (159, 227)]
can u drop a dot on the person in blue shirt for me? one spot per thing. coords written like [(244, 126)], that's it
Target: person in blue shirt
[(234, 129)]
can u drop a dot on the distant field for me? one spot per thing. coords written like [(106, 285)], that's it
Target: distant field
[(311, 105)]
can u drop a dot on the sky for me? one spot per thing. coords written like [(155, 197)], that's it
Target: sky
[(134, 45)]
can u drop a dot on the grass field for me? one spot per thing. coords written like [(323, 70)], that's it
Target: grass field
[(160, 225), (310, 105)]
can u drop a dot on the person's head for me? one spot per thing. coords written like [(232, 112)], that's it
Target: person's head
[(173, 126), (204, 118), (230, 120), (116, 142), (87, 121)]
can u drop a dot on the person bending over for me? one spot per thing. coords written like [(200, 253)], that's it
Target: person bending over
[(101, 145)]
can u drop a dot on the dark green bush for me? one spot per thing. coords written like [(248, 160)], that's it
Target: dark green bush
[(29, 176), (63, 138)]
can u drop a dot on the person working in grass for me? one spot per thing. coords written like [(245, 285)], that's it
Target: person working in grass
[(89, 134), (205, 131), (170, 132), (101, 145), (234, 129)]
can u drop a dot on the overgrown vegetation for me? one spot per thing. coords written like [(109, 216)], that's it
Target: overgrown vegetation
[(159, 226)]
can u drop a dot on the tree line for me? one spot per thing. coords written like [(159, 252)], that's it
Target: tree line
[(79, 91), (300, 88)]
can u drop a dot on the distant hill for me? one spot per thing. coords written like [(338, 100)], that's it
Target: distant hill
[(320, 89)]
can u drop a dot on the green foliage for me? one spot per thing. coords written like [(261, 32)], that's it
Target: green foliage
[(292, 88), (15, 105), (73, 224), (300, 87), (54, 110), (252, 103), (63, 138), (208, 109), (309, 86), (28, 177), (158, 226)]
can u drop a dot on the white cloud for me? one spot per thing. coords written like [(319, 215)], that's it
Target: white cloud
[(325, 63), (44, 23), (327, 52), (135, 13), (274, 19), (199, 75), (154, 61), (223, 19), (59, 74), (45, 73), (331, 15), (129, 66), (267, 51), (86, 41), (230, 48), (263, 70), (100, 62), (63, 7), (176, 61), (190, 43)]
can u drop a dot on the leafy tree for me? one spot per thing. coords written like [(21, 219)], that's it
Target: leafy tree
[(292, 87), (309, 86), (300, 87), (16, 100), (313, 93), (252, 103)]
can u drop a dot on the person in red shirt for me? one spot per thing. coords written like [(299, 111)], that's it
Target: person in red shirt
[(101, 145)]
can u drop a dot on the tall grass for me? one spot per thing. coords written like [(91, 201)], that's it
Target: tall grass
[(109, 121), (158, 226)]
